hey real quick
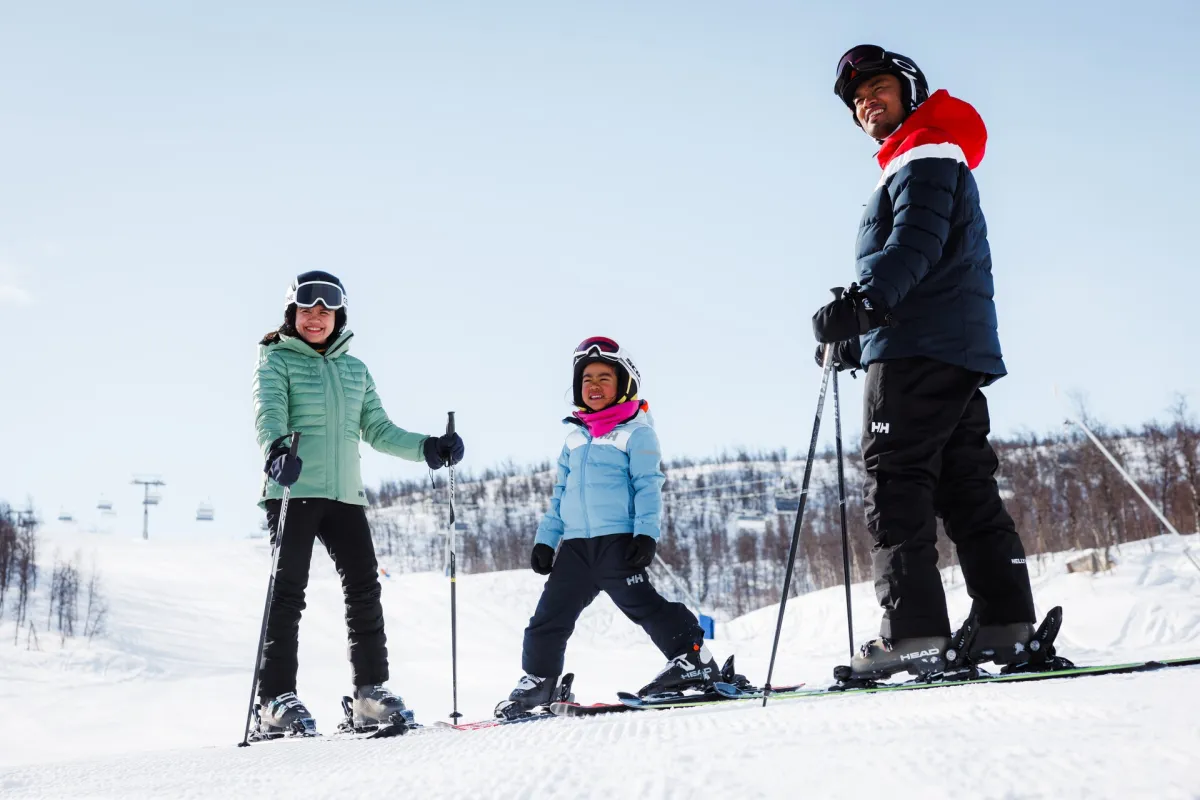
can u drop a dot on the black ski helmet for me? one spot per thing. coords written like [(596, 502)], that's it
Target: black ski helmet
[(310, 288), (868, 60), (313, 287)]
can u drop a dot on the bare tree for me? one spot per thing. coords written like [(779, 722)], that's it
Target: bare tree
[(1187, 443), (95, 618), (8, 551)]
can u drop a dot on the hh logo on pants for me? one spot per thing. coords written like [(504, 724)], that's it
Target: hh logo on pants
[(630, 581), (880, 427)]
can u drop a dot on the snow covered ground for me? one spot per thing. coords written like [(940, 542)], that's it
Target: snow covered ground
[(154, 707)]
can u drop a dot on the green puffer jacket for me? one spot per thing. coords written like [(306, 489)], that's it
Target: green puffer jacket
[(331, 400)]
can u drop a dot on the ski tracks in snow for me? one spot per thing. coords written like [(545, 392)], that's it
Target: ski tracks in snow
[(1112, 736)]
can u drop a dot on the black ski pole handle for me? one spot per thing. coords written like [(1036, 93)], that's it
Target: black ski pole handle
[(292, 447), (838, 291), (450, 422)]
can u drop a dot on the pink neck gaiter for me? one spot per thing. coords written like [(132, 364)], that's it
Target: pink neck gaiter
[(601, 423)]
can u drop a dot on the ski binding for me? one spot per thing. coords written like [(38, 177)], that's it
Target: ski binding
[(400, 723)]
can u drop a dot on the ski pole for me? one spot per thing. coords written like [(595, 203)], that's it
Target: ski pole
[(275, 546), (454, 715), (841, 473), (808, 465)]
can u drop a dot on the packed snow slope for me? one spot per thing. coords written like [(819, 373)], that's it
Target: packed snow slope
[(153, 707)]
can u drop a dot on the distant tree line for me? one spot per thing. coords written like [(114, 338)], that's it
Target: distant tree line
[(728, 521), (18, 562), (19, 572)]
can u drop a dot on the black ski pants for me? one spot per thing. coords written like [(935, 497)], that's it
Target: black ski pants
[(583, 569), (344, 531), (926, 452)]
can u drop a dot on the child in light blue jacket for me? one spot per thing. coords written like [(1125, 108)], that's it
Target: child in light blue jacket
[(604, 519)]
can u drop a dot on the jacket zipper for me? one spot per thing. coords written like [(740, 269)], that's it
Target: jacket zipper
[(587, 526), (332, 427)]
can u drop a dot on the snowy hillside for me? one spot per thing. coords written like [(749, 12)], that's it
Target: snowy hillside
[(153, 707), (728, 521)]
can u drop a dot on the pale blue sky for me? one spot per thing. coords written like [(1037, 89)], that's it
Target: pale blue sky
[(496, 181)]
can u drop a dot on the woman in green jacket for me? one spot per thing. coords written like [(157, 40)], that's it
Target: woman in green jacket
[(307, 381)]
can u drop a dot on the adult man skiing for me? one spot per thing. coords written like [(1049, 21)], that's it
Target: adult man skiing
[(923, 308)]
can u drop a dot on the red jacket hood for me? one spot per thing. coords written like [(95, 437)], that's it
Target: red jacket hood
[(939, 120)]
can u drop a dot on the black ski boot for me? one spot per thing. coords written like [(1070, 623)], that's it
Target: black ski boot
[(1002, 644), (882, 658), (1020, 648), (694, 668), (284, 715), (534, 693)]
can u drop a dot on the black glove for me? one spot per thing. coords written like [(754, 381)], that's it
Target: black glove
[(442, 450), (850, 315), (640, 551), (846, 355), (542, 560), (283, 468)]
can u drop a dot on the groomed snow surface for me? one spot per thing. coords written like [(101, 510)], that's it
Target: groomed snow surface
[(154, 707)]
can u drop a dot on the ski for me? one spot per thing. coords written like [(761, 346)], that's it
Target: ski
[(580, 710), (730, 686), (508, 713), (977, 676), (721, 692), (974, 676), (484, 724)]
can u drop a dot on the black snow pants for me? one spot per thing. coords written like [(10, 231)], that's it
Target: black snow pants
[(344, 531), (583, 569), (926, 452)]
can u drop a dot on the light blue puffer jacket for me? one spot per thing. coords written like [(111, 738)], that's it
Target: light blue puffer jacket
[(610, 484)]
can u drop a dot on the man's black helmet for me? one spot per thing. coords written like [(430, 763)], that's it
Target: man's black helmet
[(868, 60)]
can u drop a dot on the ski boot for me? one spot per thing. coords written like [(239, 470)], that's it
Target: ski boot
[(283, 716), (694, 668), (375, 710), (1020, 648), (879, 659), (1002, 644), (533, 694)]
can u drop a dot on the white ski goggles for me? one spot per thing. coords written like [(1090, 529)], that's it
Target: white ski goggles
[(307, 295)]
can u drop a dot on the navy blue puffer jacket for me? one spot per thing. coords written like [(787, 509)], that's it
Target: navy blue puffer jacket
[(922, 246)]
